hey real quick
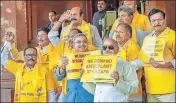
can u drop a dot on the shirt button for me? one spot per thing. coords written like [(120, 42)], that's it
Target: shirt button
[(100, 91)]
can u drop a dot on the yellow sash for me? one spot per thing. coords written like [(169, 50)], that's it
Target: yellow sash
[(85, 28), (158, 80), (28, 89)]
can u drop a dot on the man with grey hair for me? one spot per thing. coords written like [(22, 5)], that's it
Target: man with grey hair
[(125, 14), (139, 20), (129, 42)]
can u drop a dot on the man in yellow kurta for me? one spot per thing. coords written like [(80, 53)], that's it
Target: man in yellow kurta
[(158, 52), (33, 81), (76, 16), (139, 21), (125, 15), (43, 49), (128, 51)]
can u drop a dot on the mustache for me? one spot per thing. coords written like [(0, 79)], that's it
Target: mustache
[(73, 19), (118, 37), (157, 25), (121, 21), (82, 46), (31, 60), (100, 6)]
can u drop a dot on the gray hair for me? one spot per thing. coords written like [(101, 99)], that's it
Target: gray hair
[(128, 28), (126, 9), (78, 35)]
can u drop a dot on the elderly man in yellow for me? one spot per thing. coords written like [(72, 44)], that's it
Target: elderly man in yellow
[(76, 16), (139, 21), (43, 50), (128, 51), (33, 81), (125, 15), (158, 52)]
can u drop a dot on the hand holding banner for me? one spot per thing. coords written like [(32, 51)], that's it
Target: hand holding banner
[(76, 61)]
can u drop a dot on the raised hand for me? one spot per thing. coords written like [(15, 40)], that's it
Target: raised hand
[(65, 16)]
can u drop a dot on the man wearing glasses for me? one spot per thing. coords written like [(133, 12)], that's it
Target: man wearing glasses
[(33, 81), (158, 53), (125, 76)]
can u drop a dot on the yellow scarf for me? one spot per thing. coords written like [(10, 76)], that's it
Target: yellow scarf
[(38, 86), (85, 28)]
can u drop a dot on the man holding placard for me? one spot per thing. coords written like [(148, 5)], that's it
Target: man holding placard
[(70, 67), (126, 81), (158, 53)]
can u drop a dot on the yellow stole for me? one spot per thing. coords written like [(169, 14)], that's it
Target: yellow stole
[(85, 28), (38, 86)]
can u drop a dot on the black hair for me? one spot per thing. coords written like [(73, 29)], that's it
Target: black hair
[(43, 29), (154, 11), (53, 12), (29, 48)]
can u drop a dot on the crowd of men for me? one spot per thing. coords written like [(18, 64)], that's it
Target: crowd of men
[(144, 46)]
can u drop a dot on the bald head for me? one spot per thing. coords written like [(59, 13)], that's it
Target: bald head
[(110, 47), (131, 4)]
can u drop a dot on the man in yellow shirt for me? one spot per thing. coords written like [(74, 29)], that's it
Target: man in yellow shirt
[(158, 52), (125, 15), (139, 21), (33, 81)]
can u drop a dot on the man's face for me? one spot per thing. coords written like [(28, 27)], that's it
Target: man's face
[(123, 17), (158, 22), (42, 38), (52, 17), (80, 44), (109, 48), (101, 5), (30, 57), (121, 35), (76, 18), (131, 4)]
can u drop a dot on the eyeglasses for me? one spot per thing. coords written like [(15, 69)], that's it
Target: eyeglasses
[(31, 56), (79, 42), (110, 47), (158, 20)]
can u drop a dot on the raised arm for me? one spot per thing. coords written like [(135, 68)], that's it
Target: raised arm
[(53, 34)]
